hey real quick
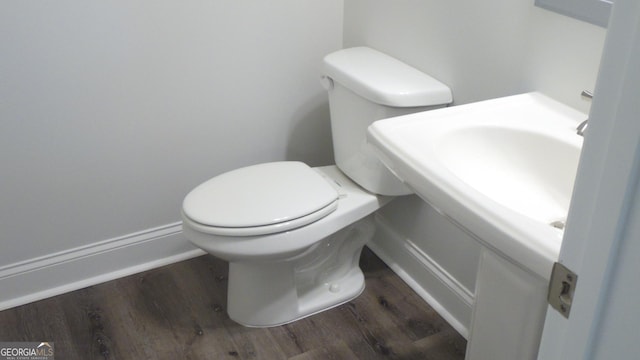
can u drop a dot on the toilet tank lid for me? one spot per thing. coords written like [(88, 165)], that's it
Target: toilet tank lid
[(384, 80)]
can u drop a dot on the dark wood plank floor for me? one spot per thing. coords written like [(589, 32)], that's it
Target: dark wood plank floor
[(178, 312)]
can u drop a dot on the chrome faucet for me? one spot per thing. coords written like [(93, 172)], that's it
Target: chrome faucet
[(582, 128)]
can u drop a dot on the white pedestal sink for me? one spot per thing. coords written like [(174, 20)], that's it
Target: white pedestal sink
[(503, 170)]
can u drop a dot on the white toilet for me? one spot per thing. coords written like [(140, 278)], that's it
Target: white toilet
[(293, 234)]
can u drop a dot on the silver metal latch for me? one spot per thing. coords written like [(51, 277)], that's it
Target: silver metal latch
[(561, 288)]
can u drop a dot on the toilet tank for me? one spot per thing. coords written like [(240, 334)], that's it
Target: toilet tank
[(366, 85)]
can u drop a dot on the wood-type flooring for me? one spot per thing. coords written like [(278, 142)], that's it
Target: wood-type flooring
[(178, 312)]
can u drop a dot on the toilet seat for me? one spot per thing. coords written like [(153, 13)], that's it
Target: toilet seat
[(261, 199)]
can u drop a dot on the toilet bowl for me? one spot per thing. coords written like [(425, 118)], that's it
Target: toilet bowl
[(293, 234), (279, 277)]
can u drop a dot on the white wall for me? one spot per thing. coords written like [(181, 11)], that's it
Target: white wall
[(482, 50), (110, 112)]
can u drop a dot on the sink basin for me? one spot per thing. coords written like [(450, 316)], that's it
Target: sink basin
[(526, 171), (502, 169)]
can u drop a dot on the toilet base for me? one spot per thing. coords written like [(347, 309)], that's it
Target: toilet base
[(265, 294)]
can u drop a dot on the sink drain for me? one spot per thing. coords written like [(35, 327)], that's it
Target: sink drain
[(558, 224)]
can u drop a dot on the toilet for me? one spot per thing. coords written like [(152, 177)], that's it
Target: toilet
[(293, 234)]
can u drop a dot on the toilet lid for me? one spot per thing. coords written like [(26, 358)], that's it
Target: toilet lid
[(261, 199)]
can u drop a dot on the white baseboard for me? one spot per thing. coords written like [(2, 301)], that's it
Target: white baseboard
[(445, 294), (62, 272), (47, 276)]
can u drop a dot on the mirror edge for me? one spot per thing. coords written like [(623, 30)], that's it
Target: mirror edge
[(592, 11)]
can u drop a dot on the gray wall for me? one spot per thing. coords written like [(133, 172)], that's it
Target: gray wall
[(110, 112), (483, 49)]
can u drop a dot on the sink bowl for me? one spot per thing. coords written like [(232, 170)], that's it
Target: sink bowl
[(525, 171), (502, 169)]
